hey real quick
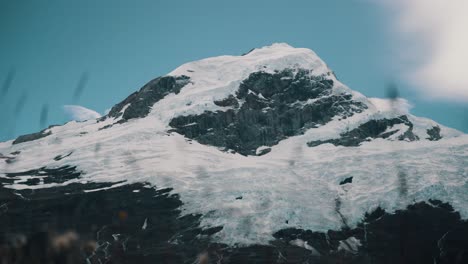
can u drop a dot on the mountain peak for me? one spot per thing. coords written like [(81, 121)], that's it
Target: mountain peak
[(290, 87), (277, 56), (280, 47), (274, 127)]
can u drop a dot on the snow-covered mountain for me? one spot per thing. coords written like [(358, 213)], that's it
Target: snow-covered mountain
[(255, 144)]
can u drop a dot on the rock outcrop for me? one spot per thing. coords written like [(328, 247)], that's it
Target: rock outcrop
[(266, 109)]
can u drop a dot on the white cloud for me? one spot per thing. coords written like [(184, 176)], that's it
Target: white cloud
[(399, 105), (80, 113), (433, 54)]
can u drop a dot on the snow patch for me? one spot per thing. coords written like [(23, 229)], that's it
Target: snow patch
[(351, 244), (304, 244)]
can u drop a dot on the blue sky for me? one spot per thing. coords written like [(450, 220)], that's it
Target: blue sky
[(118, 46)]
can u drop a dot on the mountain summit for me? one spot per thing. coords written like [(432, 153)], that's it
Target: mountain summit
[(247, 103), (254, 144)]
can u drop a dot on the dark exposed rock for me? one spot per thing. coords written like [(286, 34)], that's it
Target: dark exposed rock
[(286, 86), (105, 127), (263, 151), (347, 180), (412, 235), (229, 101), (434, 133), (453, 246), (211, 231), (420, 234), (60, 157), (32, 136), (272, 107), (46, 175), (7, 159), (408, 135), (32, 181), (112, 218), (371, 130), (10, 161), (374, 215), (140, 102), (243, 54), (440, 204)]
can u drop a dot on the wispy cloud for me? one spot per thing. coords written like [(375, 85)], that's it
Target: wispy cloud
[(80, 113), (398, 105), (434, 36)]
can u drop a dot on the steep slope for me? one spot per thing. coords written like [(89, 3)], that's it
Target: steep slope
[(255, 144)]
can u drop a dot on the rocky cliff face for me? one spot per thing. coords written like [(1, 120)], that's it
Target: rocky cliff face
[(134, 223), (373, 129), (268, 108), (138, 104)]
